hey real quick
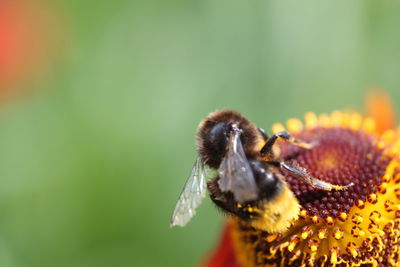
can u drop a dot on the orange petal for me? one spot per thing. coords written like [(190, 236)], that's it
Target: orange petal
[(380, 108)]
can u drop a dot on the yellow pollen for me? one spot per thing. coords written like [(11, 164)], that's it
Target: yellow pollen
[(388, 136), (294, 125), (311, 120), (380, 232), (293, 242), (375, 229), (303, 213), (355, 121), (386, 178), (360, 204), (325, 121), (397, 179), (383, 188), (375, 217), (343, 216), (353, 252), (313, 245), (329, 220), (272, 237), (334, 255), (306, 232), (357, 231), (277, 127), (315, 219), (372, 198), (389, 205), (337, 118), (322, 233), (346, 119), (357, 218), (338, 234), (369, 125), (291, 246), (381, 145), (395, 149)]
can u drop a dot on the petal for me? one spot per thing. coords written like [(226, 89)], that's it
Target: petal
[(380, 108), (224, 255)]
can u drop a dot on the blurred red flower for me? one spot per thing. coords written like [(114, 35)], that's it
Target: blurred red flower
[(26, 42)]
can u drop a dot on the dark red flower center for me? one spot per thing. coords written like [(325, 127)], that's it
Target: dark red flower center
[(340, 157)]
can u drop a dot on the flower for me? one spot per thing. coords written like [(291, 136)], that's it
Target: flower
[(355, 227), (27, 42)]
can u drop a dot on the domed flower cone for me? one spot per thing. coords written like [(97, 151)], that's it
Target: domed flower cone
[(359, 226)]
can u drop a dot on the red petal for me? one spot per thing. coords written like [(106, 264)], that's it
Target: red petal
[(224, 255)]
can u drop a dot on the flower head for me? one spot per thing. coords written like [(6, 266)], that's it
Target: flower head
[(354, 227)]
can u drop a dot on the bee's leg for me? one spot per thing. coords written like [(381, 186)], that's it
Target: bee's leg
[(220, 204), (226, 205), (216, 195), (232, 208), (264, 134), (307, 178), (266, 151), (286, 136), (226, 202)]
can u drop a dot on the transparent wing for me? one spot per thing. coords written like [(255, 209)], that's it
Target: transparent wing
[(235, 173), (191, 196)]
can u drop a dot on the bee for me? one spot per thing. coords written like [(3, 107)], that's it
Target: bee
[(247, 180)]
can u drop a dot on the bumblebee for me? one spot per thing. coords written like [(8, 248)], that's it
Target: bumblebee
[(247, 180)]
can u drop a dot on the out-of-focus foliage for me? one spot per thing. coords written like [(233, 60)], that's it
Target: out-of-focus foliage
[(93, 157)]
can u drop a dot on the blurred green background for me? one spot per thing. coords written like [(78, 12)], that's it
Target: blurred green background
[(93, 157)]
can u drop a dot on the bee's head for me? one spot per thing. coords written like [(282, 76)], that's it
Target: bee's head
[(215, 131), (216, 142), (220, 133), (218, 136)]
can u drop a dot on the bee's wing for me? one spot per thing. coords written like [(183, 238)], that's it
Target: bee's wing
[(191, 196), (235, 173)]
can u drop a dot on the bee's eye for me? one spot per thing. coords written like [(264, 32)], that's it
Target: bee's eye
[(218, 135), (268, 183)]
